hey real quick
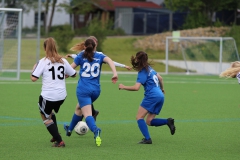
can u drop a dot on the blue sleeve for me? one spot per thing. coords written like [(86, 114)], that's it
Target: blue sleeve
[(142, 77), (78, 59)]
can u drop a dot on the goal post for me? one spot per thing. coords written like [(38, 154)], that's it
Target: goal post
[(199, 55), (10, 43)]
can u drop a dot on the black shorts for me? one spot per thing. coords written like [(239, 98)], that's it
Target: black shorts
[(46, 106)]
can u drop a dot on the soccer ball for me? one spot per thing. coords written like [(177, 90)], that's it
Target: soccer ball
[(81, 128)]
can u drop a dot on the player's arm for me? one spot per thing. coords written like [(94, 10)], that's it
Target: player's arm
[(160, 79), (121, 65), (112, 66), (73, 65), (135, 87), (71, 56), (34, 78)]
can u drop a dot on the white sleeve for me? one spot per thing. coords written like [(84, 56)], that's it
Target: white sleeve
[(73, 55), (238, 77), (68, 69), (38, 71), (119, 64)]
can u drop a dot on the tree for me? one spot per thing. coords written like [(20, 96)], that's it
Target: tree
[(204, 7)]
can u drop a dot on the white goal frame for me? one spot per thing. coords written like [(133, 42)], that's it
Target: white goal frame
[(19, 36), (220, 39)]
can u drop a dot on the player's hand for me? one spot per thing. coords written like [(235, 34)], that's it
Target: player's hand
[(114, 79), (68, 56), (121, 86), (163, 91), (128, 68), (66, 76)]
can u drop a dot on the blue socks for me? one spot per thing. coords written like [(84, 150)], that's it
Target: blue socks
[(75, 120), (91, 123), (158, 122), (143, 128)]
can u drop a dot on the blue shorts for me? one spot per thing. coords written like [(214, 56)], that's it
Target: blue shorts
[(153, 102), (87, 97)]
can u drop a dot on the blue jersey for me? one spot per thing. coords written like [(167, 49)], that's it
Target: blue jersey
[(153, 97), (148, 79), (89, 71)]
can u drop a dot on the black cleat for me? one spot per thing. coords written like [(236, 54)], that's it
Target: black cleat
[(53, 139), (56, 144), (145, 141), (96, 114), (171, 125)]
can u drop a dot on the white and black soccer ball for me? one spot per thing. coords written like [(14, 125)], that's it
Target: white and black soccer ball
[(81, 128)]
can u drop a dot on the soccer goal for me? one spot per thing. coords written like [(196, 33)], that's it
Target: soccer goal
[(10, 43), (199, 55)]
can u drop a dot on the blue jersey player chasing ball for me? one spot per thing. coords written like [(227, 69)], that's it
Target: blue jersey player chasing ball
[(153, 100), (88, 88)]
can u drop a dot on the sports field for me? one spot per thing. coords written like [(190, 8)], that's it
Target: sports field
[(206, 110)]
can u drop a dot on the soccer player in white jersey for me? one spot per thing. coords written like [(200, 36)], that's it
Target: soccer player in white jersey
[(53, 69), (233, 71), (153, 100), (88, 88)]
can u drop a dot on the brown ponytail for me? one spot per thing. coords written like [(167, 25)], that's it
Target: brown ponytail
[(51, 50)]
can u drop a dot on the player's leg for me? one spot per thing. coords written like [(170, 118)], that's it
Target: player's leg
[(46, 108), (152, 121), (77, 116), (142, 112), (94, 112), (54, 118), (86, 110)]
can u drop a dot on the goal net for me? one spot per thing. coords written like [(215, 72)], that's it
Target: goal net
[(10, 43), (199, 55)]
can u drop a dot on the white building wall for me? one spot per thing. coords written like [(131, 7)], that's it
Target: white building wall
[(28, 19), (60, 16)]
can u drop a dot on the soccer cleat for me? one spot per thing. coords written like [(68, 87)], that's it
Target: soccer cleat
[(68, 132), (53, 139), (145, 141), (96, 114), (171, 125), (56, 144), (97, 138)]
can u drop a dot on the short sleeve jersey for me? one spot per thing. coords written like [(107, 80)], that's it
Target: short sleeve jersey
[(148, 79), (53, 78), (89, 71)]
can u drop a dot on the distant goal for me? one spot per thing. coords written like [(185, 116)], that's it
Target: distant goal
[(10, 43), (199, 55)]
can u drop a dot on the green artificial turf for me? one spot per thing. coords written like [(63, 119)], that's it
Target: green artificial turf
[(206, 110)]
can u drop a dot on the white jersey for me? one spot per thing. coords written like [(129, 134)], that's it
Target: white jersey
[(53, 78), (238, 77)]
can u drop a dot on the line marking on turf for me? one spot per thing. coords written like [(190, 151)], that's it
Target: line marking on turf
[(34, 121), (127, 81)]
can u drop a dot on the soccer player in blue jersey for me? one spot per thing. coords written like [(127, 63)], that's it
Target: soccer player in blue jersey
[(78, 114), (88, 88), (153, 100), (78, 48)]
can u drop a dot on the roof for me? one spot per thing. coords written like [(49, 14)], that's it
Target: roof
[(111, 6)]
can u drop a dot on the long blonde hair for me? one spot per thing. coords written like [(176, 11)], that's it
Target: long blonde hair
[(232, 71), (51, 50), (81, 46)]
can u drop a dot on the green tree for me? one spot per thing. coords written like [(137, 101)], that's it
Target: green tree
[(204, 7)]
